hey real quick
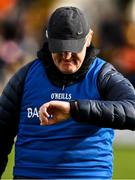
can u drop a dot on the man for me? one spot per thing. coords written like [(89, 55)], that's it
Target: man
[(80, 99)]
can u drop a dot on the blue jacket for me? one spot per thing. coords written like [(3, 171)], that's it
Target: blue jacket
[(68, 149)]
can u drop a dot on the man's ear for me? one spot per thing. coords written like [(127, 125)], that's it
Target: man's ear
[(89, 38)]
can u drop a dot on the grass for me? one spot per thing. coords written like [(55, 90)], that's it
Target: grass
[(8, 172), (124, 164)]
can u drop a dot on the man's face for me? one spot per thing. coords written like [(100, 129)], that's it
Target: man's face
[(69, 62)]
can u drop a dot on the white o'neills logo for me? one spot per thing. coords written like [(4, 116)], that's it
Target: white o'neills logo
[(61, 96)]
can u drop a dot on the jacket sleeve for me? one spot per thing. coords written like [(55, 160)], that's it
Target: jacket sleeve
[(115, 110), (9, 114)]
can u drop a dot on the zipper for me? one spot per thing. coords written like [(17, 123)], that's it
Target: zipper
[(63, 87), (64, 83)]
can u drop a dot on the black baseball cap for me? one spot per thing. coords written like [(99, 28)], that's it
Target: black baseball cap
[(67, 30)]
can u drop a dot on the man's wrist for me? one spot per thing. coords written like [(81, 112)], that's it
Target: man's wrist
[(74, 109)]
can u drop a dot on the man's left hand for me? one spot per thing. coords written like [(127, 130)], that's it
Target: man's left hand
[(54, 112)]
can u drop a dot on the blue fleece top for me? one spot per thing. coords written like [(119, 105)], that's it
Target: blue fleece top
[(67, 150)]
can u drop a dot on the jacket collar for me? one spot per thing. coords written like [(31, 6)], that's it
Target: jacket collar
[(57, 77)]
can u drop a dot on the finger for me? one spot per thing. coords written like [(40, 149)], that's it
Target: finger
[(44, 122), (43, 119), (43, 111), (43, 116)]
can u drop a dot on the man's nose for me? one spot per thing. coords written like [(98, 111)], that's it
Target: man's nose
[(67, 55)]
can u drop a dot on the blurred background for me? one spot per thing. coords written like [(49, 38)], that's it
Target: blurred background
[(22, 32)]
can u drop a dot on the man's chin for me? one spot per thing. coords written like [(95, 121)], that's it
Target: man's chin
[(68, 71)]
